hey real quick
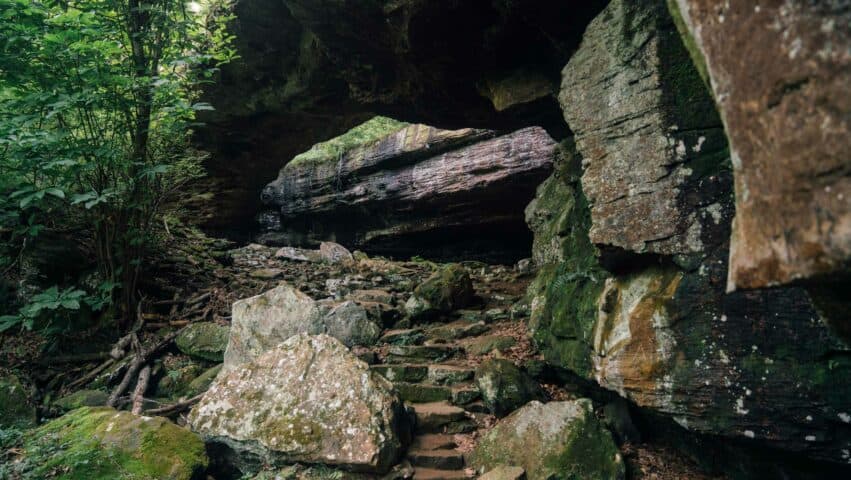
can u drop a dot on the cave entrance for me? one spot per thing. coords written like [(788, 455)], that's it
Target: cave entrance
[(403, 190)]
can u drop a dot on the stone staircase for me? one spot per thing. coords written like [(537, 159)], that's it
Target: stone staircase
[(433, 374)]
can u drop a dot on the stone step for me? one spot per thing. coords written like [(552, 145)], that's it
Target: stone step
[(437, 417), (457, 329), (421, 353), (434, 441), (460, 394), (440, 374), (444, 459), (410, 336), (421, 473), (435, 374), (402, 372)]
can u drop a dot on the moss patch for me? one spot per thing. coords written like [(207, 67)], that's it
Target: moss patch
[(105, 444), (362, 135), (204, 340)]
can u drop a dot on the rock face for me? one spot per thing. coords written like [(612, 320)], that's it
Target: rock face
[(664, 333), (652, 143), (308, 400), (415, 184), (101, 443), (788, 129), (260, 323), (553, 440)]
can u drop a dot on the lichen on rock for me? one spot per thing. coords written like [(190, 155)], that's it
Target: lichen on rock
[(307, 400)]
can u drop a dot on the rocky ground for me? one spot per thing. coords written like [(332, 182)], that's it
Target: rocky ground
[(451, 340)]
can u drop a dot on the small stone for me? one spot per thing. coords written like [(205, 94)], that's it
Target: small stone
[(349, 323), (266, 273), (334, 252), (82, 398)]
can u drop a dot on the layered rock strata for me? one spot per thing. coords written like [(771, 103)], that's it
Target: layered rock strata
[(412, 187)]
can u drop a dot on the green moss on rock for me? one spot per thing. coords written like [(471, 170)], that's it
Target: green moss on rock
[(204, 340), (504, 387), (362, 135), (105, 444), (450, 288), (82, 398), (557, 440)]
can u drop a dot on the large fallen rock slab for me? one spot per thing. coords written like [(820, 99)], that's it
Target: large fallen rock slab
[(552, 440), (102, 443), (307, 400), (788, 129), (656, 168), (414, 183)]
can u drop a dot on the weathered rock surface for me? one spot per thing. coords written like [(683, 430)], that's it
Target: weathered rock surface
[(553, 440), (414, 184), (349, 323), (653, 146), (82, 398), (505, 387), (16, 409), (204, 340), (102, 443), (307, 400), (788, 129), (446, 290), (261, 323)]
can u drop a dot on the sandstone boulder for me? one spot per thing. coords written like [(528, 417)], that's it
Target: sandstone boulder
[(334, 252), (262, 322), (556, 440), (307, 400), (105, 443), (349, 323)]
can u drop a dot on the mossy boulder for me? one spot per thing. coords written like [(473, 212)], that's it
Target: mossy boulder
[(448, 289), (105, 444), (204, 340), (557, 440), (16, 410), (504, 387), (82, 398)]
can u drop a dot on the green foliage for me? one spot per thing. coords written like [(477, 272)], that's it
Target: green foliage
[(98, 99)]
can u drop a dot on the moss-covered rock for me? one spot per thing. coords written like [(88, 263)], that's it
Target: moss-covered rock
[(448, 289), (82, 398), (204, 340), (16, 410), (504, 387), (359, 136), (557, 440), (105, 444)]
